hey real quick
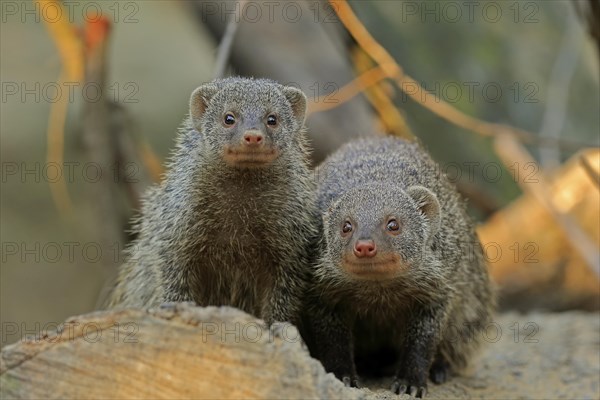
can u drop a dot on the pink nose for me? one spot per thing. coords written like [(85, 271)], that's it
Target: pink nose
[(252, 138), (365, 248)]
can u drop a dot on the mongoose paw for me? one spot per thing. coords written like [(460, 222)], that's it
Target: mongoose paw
[(439, 371), (438, 374), (350, 381), (402, 386)]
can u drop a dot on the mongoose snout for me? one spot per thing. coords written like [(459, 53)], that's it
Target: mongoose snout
[(365, 248), (253, 139), (365, 262), (253, 150)]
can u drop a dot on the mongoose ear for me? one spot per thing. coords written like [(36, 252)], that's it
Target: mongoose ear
[(297, 100), (428, 204), (199, 102)]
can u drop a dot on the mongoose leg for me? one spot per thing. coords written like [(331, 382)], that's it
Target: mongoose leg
[(283, 305), (418, 349), (334, 344)]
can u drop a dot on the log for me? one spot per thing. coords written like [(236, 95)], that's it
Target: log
[(181, 351), (178, 351), (530, 256)]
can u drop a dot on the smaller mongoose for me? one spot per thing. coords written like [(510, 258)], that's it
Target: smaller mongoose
[(401, 267), (233, 222)]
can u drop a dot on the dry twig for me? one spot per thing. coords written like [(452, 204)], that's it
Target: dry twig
[(71, 54)]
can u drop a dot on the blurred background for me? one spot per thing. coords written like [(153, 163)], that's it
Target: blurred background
[(93, 94)]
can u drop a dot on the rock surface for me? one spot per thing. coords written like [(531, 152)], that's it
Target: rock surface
[(181, 351)]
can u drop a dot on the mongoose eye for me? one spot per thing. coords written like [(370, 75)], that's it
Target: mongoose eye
[(272, 120), (347, 227), (393, 225), (229, 119)]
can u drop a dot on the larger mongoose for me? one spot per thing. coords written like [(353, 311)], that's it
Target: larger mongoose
[(233, 221), (401, 267)]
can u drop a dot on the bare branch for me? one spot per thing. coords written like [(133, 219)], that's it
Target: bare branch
[(226, 45), (563, 70)]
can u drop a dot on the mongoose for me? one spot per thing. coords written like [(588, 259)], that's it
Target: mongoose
[(233, 221), (401, 267)]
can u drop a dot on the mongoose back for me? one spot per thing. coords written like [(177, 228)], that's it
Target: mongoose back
[(401, 267), (233, 221)]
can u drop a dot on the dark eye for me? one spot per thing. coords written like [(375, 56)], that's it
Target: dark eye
[(347, 227), (393, 225), (272, 120), (229, 119)]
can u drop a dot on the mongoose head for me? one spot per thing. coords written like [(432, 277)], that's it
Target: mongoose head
[(248, 123), (380, 232)]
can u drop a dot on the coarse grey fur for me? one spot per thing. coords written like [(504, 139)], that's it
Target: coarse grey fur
[(432, 309), (223, 234)]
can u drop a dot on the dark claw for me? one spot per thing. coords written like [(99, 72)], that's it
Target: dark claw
[(418, 392), (350, 381), (400, 386)]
